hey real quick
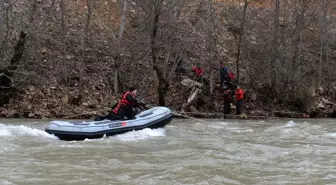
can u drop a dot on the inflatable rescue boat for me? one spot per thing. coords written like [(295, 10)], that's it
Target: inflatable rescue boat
[(156, 117)]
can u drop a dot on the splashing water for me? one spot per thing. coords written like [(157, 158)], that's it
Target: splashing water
[(141, 134), (21, 130), (290, 124)]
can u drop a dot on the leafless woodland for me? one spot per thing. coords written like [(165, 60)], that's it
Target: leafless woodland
[(81, 52)]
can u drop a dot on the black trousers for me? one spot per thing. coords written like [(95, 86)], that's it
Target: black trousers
[(239, 106), (110, 116), (126, 111), (227, 108)]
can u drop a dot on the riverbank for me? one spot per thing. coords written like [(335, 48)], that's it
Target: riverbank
[(72, 103)]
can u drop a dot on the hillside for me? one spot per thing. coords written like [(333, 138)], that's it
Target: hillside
[(73, 51)]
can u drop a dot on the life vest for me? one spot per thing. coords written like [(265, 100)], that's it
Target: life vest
[(122, 102), (232, 76), (198, 71), (239, 94)]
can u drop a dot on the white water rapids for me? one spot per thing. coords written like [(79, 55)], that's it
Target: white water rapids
[(184, 152)]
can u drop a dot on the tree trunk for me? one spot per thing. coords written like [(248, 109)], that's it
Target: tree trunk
[(275, 58), (163, 83), (63, 20), (88, 23), (296, 48), (7, 73), (6, 11), (210, 42), (2, 23), (118, 56), (322, 44), (240, 40)]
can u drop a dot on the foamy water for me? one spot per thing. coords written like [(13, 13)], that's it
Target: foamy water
[(184, 152)]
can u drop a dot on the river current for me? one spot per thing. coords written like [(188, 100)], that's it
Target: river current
[(184, 152)]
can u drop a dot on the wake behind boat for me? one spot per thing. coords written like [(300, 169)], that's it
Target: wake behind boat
[(155, 117)]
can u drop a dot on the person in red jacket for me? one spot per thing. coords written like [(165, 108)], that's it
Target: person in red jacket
[(126, 105), (199, 71), (239, 100), (124, 108)]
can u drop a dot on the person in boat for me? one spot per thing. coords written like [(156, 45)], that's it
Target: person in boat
[(124, 108), (239, 99), (126, 105)]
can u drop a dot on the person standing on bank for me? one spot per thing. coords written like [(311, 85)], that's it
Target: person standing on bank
[(227, 101), (239, 100)]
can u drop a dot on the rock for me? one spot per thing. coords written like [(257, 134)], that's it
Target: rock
[(3, 113), (193, 95), (31, 115), (12, 114), (321, 90), (65, 99), (31, 88), (320, 105), (77, 111), (190, 83), (85, 104), (326, 101)]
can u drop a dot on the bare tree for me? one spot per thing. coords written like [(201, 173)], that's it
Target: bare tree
[(210, 41), (322, 41), (275, 58), (88, 22), (63, 25), (118, 55)]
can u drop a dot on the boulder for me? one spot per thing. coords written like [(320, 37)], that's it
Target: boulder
[(12, 114), (320, 105), (326, 101), (190, 83)]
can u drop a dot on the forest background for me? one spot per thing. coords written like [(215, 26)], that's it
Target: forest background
[(63, 58)]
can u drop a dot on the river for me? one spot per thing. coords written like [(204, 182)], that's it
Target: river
[(184, 152)]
